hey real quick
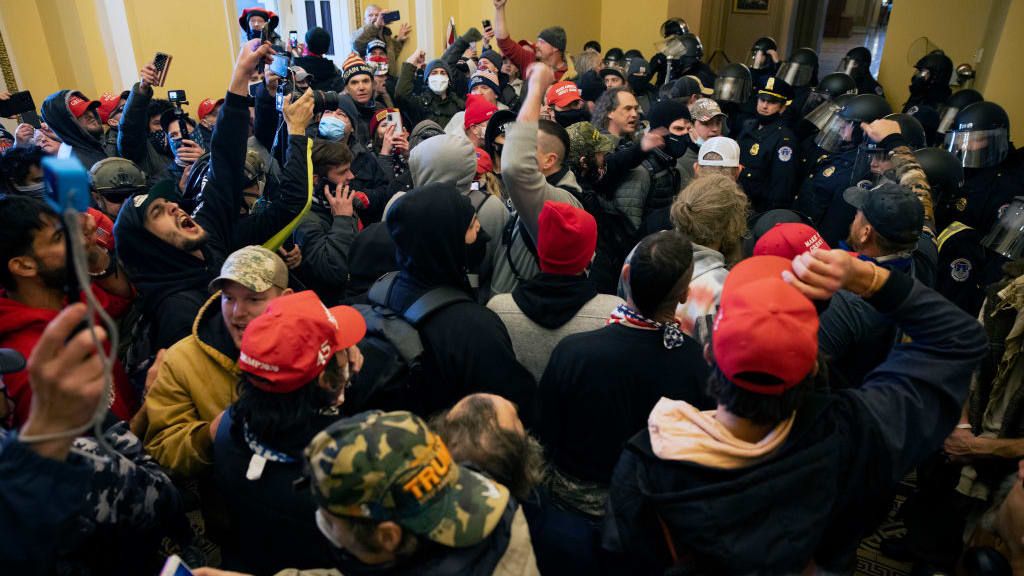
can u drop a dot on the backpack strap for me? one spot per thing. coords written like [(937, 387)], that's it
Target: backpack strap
[(432, 301), (381, 289)]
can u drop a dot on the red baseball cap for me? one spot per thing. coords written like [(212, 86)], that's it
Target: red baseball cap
[(562, 94), (291, 342), (566, 239), (78, 104), (207, 106), (108, 103), (478, 110), (789, 240), (764, 327), (483, 161)]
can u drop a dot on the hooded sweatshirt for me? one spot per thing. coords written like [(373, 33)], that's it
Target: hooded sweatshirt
[(709, 274), (55, 112), (467, 347), (326, 75), (426, 105), (811, 494)]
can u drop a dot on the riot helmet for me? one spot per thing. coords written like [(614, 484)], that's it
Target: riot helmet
[(1006, 237), (944, 172), (824, 112), (759, 58), (733, 84), (686, 48), (801, 69), (954, 104), (674, 27), (116, 179), (843, 129), (980, 136), (614, 57), (831, 86), (856, 63), (934, 69), (911, 130)]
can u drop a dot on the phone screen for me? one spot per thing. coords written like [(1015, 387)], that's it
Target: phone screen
[(280, 65), (293, 39), (175, 567)]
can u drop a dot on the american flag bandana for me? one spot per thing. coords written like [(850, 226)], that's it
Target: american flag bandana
[(673, 336)]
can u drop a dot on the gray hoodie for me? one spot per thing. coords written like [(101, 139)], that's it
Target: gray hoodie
[(709, 274)]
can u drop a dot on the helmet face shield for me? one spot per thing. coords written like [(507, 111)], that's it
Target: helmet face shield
[(795, 73), (847, 65), (947, 115), (758, 60), (822, 113), (836, 132), (978, 148), (732, 90), (1006, 237)]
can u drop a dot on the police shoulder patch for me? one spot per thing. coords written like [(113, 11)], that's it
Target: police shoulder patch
[(828, 171), (785, 153), (960, 269)]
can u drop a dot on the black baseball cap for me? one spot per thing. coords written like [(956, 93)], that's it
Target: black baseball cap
[(894, 211), (11, 361)]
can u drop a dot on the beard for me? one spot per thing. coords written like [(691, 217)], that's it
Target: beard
[(53, 278), (191, 245), (852, 243)]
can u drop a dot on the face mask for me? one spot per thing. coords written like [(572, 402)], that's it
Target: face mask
[(159, 141), (476, 251), (35, 190), (173, 145), (765, 120), (332, 128), (918, 84), (325, 529), (638, 83), (379, 64), (675, 146), (567, 118), (698, 141), (438, 84)]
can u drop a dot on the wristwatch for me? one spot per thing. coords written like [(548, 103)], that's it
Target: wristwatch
[(963, 426)]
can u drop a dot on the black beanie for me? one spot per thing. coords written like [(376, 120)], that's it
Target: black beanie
[(666, 112), (555, 36), (318, 41)]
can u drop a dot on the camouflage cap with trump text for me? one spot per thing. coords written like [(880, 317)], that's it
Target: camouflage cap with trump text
[(390, 466), (254, 267)]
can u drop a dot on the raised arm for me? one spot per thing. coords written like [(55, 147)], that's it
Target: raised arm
[(133, 131)]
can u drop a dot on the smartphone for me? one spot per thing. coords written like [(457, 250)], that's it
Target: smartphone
[(175, 567), (395, 118), (177, 96), (392, 16), (162, 63), (293, 39), (280, 65), (19, 103), (487, 24)]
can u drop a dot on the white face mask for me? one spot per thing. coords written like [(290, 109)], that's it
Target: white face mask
[(35, 188), (438, 84), (325, 529)]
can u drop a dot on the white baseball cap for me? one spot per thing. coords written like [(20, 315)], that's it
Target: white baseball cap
[(726, 148)]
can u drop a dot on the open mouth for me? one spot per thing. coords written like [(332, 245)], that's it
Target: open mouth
[(186, 223)]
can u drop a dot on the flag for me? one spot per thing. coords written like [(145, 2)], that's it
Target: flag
[(451, 30)]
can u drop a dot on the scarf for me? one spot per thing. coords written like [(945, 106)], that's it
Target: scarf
[(673, 336)]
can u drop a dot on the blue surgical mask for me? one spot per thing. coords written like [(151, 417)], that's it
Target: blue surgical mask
[(332, 128)]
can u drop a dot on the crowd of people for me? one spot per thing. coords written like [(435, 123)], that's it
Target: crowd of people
[(513, 311)]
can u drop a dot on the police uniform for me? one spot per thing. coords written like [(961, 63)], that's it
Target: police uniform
[(821, 194), (867, 84), (769, 156), (965, 267), (985, 193)]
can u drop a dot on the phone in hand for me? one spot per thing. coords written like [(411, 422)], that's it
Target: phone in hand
[(395, 118), (487, 25), (280, 65), (175, 567), (393, 16), (162, 63), (293, 39), (19, 103)]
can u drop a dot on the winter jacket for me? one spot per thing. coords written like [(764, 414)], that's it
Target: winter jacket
[(55, 112), (709, 274), (110, 141), (528, 189), (326, 75), (325, 241), (291, 199), (426, 105), (21, 327), (508, 551), (826, 485), (196, 382), (523, 57), (541, 312), (362, 37), (133, 140), (467, 348)]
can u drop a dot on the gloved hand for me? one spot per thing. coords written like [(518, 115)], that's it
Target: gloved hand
[(472, 35)]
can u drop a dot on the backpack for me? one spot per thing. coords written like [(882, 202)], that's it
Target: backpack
[(393, 351)]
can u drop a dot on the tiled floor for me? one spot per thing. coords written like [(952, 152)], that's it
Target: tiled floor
[(833, 49)]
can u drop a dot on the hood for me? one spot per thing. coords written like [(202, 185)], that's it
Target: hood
[(447, 159), (16, 317), (423, 131), (213, 336), (322, 69), (437, 64), (722, 511), (58, 117), (706, 260), (347, 105), (428, 225), (551, 300), (156, 268)]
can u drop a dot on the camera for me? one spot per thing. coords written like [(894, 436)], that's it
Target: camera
[(322, 99), (177, 96), (178, 99)]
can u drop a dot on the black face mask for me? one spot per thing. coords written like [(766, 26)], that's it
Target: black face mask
[(766, 120), (159, 141), (566, 118), (675, 146), (476, 251), (639, 84), (918, 84)]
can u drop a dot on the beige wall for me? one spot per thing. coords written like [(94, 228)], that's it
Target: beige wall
[(1000, 80), (625, 24)]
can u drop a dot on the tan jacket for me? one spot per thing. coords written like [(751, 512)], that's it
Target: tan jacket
[(195, 384), (518, 559)]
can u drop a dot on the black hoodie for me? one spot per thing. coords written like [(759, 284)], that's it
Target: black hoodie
[(468, 348), (59, 118), (325, 74)]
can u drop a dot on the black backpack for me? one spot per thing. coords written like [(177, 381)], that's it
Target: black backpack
[(393, 351)]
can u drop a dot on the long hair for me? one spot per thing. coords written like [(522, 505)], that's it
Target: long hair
[(586, 61), (712, 211), (605, 105)]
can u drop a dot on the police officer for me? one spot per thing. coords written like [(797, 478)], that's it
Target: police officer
[(764, 60), (814, 114), (844, 165), (929, 86), (800, 72), (954, 104), (767, 150), (733, 91), (857, 63), (682, 56)]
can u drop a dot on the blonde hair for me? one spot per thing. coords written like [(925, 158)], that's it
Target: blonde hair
[(586, 61), (712, 211)]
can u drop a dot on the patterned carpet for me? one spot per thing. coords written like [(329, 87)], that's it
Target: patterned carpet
[(870, 560)]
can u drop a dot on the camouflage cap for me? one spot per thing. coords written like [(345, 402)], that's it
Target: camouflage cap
[(254, 267), (585, 141), (704, 109), (390, 466)]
